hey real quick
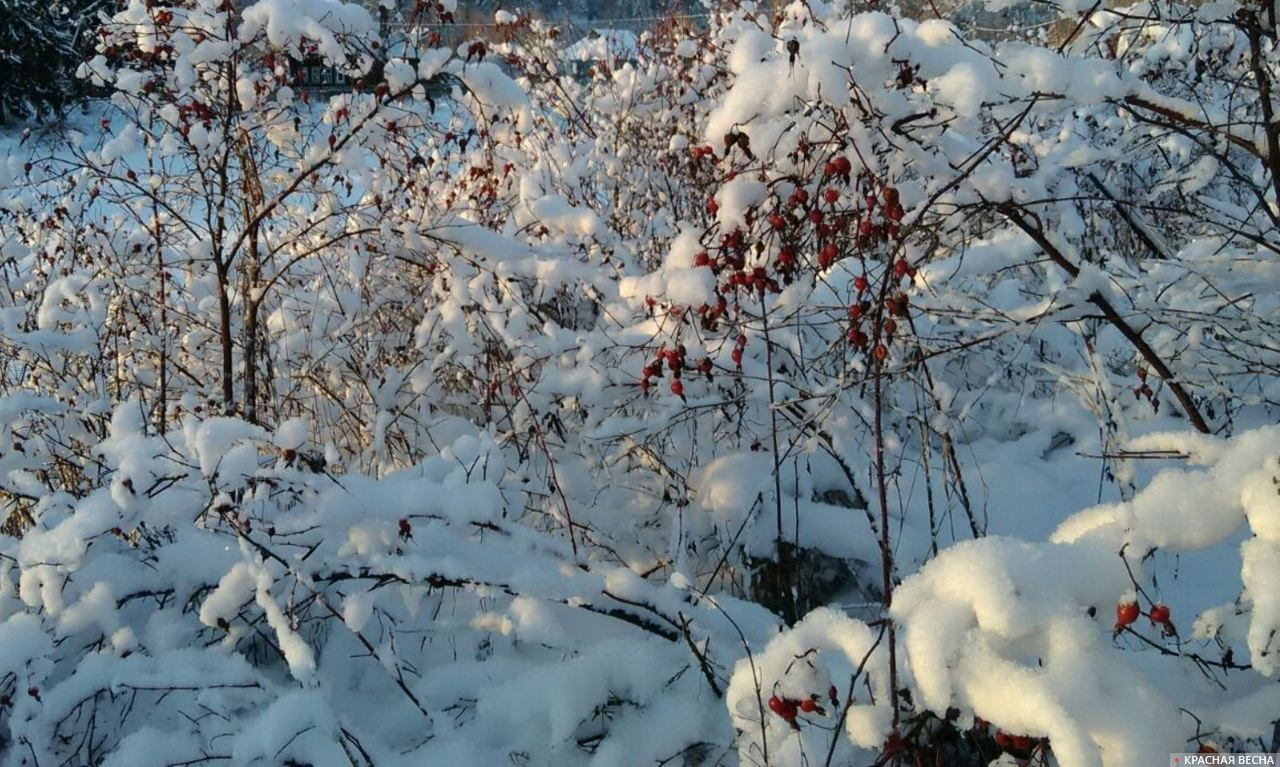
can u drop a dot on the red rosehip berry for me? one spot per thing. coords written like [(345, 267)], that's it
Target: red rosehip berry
[(787, 709), (827, 256), (1126, 613), (894, 744), (831, 195), (1160, 614)]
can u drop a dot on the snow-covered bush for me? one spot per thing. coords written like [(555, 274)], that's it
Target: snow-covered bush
[(711, 407)]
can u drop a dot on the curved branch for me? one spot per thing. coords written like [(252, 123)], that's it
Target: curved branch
[(1011, 212)]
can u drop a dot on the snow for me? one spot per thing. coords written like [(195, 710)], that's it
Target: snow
[(431, 62), (292, 433), (602, 45), (400, 74), (558, 445), (736, 197), (234, 589), (297, 652), (289, 22), (825, 648), (964, 86)]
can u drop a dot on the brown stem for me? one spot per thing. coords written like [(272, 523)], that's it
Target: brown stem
[(1269, 123), (784, 572), (224, 336), (251, 187), (882, 490), (1175, 116), (1011, 212), (886, 554)]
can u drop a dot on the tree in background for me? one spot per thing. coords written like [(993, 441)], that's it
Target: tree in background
[(679, 411), (40, 46)]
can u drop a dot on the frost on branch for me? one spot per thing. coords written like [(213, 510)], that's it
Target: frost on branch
[(487, 405)]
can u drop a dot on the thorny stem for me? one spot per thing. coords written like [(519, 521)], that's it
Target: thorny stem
[(784, 585), (886, 553)]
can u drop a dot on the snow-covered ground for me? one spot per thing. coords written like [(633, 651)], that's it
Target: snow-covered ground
[(822, 389)]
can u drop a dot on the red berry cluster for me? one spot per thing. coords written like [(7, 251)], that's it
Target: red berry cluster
[(895, 306), (1127, 613), (850, 214), (738, 347), (1021, 744), (1144, 390), (192, 112), (838, 166), (675, 359), (790, 708), (730, 267)]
